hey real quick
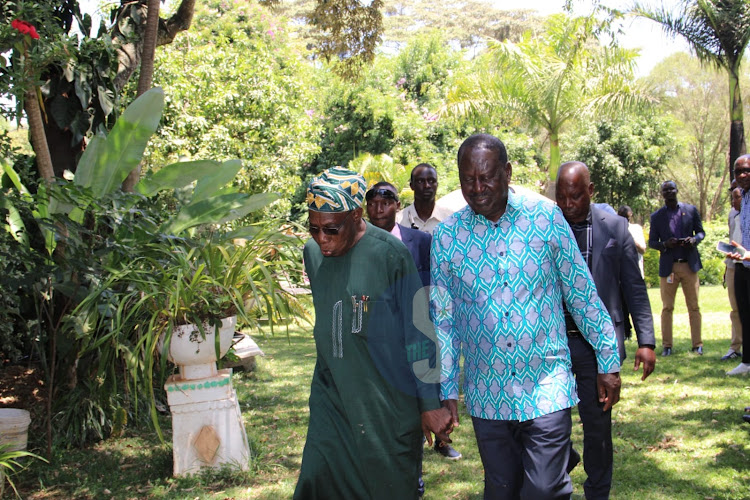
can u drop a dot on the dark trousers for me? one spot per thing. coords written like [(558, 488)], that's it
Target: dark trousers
[(742, 294), (597, 425), (525, 460)]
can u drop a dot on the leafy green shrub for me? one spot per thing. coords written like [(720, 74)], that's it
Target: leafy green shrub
[(712, 272), (117, 263), (651, 267), (713, 262)]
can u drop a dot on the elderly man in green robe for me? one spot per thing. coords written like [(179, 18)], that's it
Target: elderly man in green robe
[(375, 388)]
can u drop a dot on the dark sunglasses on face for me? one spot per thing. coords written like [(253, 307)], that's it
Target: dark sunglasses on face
[(329, 230), (385, 193)]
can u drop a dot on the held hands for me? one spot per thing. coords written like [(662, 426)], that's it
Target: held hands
[(608, 387), (438, 422), (646, 356), (452, 405)]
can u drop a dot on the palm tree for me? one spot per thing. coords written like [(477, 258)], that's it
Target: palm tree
[(718, 31), (550, 79)]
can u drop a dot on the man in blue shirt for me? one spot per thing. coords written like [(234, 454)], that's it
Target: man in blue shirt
[(502, 268)]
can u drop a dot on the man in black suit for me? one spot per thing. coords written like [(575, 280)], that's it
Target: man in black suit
[(609, 251), (676, 230), (382, 205)]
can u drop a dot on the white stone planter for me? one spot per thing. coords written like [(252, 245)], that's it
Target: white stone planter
[(14, 428), (14, 432), (207, 426), (195, 355)]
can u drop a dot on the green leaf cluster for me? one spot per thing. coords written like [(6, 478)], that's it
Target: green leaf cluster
[(627, 159), (122, 271), (237, 89)]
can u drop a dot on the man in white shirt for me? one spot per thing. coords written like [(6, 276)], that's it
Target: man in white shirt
[(423, 214)]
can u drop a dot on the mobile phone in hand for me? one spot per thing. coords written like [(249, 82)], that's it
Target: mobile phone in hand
[(724, 247)]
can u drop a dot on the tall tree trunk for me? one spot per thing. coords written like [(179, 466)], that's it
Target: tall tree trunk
[(38, 138), (129, 57), (737, 129), (554, 163), (146, 75)]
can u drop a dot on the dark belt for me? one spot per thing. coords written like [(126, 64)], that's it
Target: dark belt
[(680, 260), (574, 333)]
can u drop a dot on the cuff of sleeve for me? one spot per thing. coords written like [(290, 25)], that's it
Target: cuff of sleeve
[(429, 404), (611, 369)]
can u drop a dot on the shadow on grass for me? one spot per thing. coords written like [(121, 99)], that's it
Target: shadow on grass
[(140, 463)]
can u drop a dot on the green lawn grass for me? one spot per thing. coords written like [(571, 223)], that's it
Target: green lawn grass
[(678, 435)]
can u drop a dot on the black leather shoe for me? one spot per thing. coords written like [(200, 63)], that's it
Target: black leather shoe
[(667, 351), (574, 459), (746, 418), (698, 350)]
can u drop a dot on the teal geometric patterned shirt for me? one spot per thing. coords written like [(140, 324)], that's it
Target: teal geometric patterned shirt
[(497, 297)]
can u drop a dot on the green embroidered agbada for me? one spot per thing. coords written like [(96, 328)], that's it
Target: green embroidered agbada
[(375, 373)]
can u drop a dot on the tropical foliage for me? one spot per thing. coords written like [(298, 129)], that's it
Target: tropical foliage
[(718, 31), (696, 96), (254, 105), (548, 80), (238, 94), (121, 271), (627, 158), (10, 464)]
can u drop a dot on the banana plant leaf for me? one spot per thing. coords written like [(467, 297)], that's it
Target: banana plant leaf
[(104, 167), (14, 222), (176, 176), (41, 212), (15, 179), (208, 185), (217, 210)]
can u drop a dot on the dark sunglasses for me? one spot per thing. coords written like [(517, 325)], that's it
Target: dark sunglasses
[(385, 193), (329, 230)]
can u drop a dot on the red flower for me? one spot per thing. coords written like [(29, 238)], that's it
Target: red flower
[(25, 28)]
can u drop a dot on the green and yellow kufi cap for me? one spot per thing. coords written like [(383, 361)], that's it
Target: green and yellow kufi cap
[(336, 190)]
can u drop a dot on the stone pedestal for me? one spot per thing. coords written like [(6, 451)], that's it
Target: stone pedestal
[(207, 428)]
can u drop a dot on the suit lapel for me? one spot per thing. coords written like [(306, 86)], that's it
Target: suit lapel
[(686, 221), (405, 235), (598, 241)]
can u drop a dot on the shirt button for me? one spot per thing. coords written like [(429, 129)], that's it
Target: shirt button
[(509, 344), (513, 374), (502, 254), (507, 313)]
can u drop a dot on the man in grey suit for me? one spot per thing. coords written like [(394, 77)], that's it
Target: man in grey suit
[(609, 251)]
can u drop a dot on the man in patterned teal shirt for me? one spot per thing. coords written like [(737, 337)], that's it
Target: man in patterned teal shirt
[(502, 268)]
